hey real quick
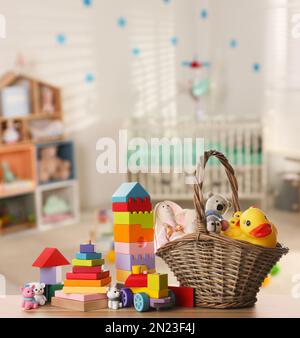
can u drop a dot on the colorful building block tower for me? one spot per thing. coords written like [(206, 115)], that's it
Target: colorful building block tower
[(133, 230), (86, 286)]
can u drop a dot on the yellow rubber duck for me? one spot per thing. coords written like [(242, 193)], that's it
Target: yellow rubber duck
[(257, 229), (233, 229)]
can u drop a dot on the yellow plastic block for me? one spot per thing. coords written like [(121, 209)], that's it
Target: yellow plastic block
[(145, 219), (87, 262), (157, 281), (138, 269), (152, 293), (85, 289), (84, 283)]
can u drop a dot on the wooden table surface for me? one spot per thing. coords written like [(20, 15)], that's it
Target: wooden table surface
[(266, 307)]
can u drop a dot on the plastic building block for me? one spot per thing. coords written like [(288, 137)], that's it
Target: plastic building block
[(88, 262), (87, 276), (85, 289), (184, 295), (50, 275), (80, 297), (87, 248), (135, 248), (83, 283), (136, 281), (140, 269), (50, 257), (144, 219), (133, 204), (127, 190), (151, 293), (91, 255), (133, 233), (74, 305), (157, 281), (51, 289), (87, 269), (125, 262)]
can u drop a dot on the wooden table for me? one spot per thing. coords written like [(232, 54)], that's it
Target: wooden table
[(266, 307)]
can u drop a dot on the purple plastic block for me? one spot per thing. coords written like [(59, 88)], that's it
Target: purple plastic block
[(87, 248), (50, 275), (125, 261)]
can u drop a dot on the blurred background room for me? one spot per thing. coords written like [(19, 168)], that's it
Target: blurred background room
[(74, 71)]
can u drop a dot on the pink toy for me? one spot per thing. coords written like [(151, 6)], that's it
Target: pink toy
[(28, 302)]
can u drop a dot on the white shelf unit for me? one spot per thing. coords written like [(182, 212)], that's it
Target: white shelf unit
[(67, 190)]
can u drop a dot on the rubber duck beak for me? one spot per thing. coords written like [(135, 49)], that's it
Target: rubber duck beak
[(238, 223), (262, 230)]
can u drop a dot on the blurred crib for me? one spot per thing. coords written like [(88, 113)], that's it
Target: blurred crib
[(242, 143)]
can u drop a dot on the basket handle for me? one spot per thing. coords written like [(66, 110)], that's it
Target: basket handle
[(198, 186)]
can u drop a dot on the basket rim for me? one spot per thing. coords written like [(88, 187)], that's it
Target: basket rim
[(280, 248)]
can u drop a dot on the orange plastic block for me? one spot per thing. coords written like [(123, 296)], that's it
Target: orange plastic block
[(96, 283), (132, 233)]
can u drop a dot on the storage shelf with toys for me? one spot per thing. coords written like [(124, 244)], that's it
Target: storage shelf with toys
[(37, 166)]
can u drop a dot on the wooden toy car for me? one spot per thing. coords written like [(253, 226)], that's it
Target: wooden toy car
[(145, 291)]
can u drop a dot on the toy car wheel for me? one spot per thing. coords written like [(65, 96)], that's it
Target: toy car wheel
[(141, 302), (172, 295), (126, 297)]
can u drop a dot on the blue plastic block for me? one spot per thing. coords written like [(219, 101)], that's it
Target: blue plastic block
[(88, 255), (127, 190)]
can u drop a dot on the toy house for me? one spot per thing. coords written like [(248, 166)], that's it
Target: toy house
[(50, 263)]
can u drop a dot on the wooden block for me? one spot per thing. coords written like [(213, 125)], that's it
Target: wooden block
[(80, 297), (87, 248), (135, 280), (157, 281), (51, 275), (122, 275), (80, 282), (151, 293), (87, 256), (127, 190), (140, 269), (133, 233), (51, 289), (184, 295), (75, 305), (125, 262), (134, 248), (87, 269), (87, 262), (85, 289), (144, 219), (133, 204), (87, 276)]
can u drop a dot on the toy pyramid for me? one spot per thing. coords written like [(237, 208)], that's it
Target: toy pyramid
[(86, 286), (133, 230)]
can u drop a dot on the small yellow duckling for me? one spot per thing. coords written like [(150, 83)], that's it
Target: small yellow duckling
[(233, 229), (257, 229)]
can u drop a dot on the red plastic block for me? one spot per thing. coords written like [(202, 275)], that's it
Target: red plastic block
[(87, 276), (184, 295), (132, 205), (139, 280), (87, 269)]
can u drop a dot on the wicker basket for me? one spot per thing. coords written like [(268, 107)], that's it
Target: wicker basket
[(224, 272)]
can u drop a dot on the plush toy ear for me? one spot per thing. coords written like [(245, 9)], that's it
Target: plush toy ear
[(209, 194), (33, 287), (43, 285)]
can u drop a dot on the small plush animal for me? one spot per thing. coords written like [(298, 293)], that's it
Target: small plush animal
[(39, 296), (113, 295), (216, 206), (28, 302)]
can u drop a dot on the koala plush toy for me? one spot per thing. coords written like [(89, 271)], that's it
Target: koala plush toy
[(216, 206)]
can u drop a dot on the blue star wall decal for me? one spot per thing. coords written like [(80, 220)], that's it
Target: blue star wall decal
[(61, 38), (122, 22)]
